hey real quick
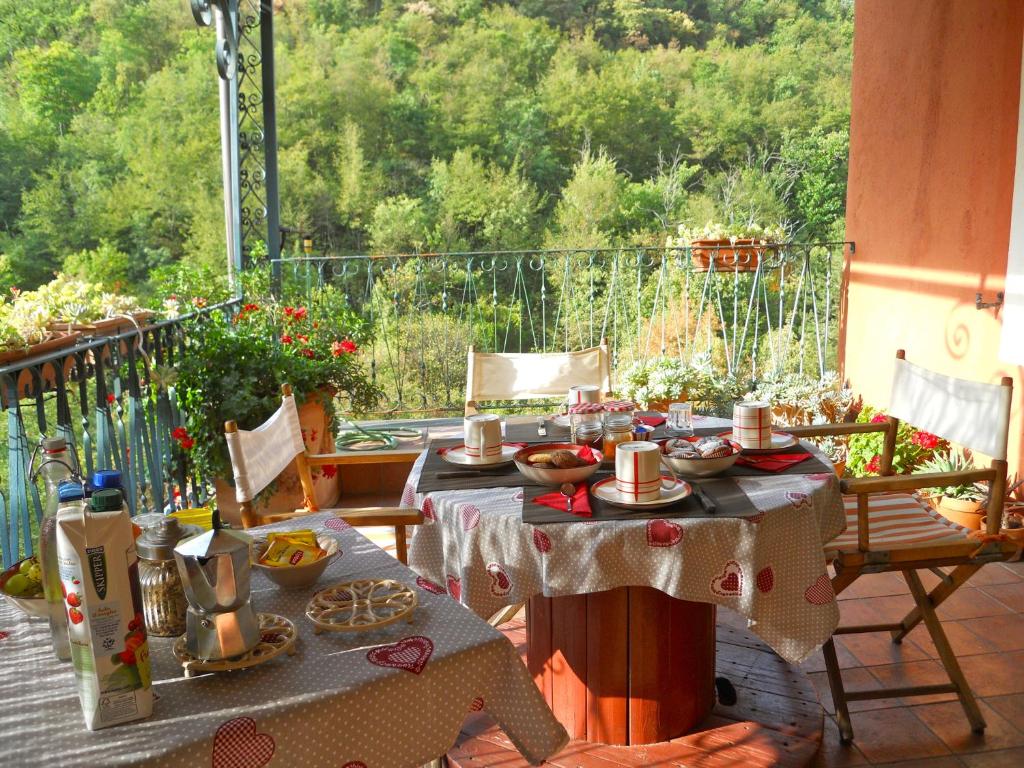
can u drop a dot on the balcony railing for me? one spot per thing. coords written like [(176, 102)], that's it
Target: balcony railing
[(754, 311), (113, 400)]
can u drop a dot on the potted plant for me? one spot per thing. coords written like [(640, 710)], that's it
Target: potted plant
[(1012, 524), (234, 369), (913, 447), (729, 247), (656, 382), (961, 504)]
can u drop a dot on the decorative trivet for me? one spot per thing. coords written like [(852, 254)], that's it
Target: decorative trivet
[(277, 636), (361, 605)]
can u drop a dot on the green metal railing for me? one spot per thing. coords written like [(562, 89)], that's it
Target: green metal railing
[(753, 310), (112, 398)]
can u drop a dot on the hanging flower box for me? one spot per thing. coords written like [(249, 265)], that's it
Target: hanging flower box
[(54, 342), (739, 255)]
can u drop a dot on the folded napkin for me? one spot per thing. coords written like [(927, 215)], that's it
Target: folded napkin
[(443, 451), (651, 421), (555, 500), (775, 462), (587, 454)]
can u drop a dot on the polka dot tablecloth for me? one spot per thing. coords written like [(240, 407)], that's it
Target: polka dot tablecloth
[(392, 698), (769, 567)]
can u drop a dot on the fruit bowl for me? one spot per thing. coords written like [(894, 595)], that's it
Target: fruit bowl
[(700, 467), (295, 576), (553, 475), (34, 604)]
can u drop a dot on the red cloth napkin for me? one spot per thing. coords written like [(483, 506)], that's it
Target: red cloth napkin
[(651, 421), (587, 454), (443, 451), (776, 462), (555, 500)]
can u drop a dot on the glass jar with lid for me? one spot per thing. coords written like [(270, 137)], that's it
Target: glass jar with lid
[(585, 420), (163, 596), (618, 425)]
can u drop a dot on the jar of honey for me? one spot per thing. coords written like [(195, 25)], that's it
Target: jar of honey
[(618, 425)]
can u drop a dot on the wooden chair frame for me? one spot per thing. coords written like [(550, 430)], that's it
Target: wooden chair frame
[(399, 517), (965, 557), (472, 406)]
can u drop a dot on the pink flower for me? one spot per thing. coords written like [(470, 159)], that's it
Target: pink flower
[(878, 418)]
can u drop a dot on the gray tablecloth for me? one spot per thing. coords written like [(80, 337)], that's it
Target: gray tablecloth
[(332, 704)]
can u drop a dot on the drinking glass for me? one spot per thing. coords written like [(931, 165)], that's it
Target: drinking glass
[(680, 418)]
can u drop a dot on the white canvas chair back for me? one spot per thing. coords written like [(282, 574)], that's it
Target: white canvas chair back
[(971, 413), (260, 455), (533, 376)]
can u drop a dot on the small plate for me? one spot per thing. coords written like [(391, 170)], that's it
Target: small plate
[(457, 455), (605, 491), (780, 440)]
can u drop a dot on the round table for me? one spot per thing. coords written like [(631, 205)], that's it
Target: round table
[(626, 666)]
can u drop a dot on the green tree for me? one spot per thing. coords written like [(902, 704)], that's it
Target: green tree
[(54, 82)]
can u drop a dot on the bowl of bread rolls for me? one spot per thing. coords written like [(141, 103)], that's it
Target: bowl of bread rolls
[(557, 463), (700, 456)]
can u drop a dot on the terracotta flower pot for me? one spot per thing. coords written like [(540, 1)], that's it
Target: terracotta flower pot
[(728, 256), (1013, 534), (286, 495), (969, 514)]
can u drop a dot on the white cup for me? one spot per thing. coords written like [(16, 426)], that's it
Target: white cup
[(638, 471), (752, 424), (483, 435), (584, 393)]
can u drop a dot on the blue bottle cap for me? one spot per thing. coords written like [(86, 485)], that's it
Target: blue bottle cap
[(69, 490), (106, 478)]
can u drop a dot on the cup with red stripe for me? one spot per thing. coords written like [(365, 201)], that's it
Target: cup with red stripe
[(584, 393), (482, 435), (638, 471), (752, 424)]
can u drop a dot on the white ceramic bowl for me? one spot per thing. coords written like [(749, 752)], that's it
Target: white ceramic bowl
[(295, 576), (701, 467), (33, 606), (542, 476)]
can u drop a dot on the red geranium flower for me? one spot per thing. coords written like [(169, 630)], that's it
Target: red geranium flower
[(925, 439), (288, 311), (110, 398), (873, 465), (250, 307), (307, 352), (179, 433), (300, 313), (878, 418), (286, 339), (303, 339), (339, 348), (187, 444)]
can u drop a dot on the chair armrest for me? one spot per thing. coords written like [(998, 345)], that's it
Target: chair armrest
[(865, 485), (821, 430), (381, 516), (396, 455)]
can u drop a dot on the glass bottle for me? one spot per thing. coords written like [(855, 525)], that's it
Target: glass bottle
[(163, 596), (55, 469), (618, 425)]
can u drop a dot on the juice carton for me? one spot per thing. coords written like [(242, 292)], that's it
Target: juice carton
[(100, 583)]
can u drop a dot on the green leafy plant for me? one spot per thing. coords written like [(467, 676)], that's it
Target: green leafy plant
[(913, 447), (237, 366), (954, 460), (668, 378), (733, 231)]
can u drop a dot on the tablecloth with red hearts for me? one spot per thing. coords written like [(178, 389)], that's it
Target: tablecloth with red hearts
[(392, 698), (769, 567)]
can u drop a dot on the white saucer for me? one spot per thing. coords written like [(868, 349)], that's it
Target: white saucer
[(605, 491), (457, 455), (780, 440)]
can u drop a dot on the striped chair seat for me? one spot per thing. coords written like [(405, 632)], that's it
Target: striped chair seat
[(896, 521)]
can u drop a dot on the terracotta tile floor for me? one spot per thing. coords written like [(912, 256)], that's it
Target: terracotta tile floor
[(985, 624)]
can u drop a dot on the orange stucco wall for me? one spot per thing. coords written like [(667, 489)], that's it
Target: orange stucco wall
[(933, 136)]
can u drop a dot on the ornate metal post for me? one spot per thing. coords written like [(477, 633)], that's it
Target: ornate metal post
[(248, 125)]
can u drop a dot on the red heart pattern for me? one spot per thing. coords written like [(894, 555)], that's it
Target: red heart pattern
[(354, 764), (541, 541), (410, 654), (477, 705), (765, 579), (408, 495), (337, 524), (798, 499), (428, 510), (430, 586), (454, 587), (730, 582), (517, 496), (470, 517), (501, 584), (820, 592), (4, 635), (663, 533), (755, 518), (237, 745)]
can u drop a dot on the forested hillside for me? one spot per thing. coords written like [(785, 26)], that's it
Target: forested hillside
[(437, 124)]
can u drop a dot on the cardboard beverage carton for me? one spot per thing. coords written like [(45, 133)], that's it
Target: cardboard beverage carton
[(100, 584)]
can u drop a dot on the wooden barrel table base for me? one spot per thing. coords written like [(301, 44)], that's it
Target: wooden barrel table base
[(776, 721), (627, 666)]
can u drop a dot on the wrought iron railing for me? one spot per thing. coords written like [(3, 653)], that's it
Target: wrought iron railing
[(754, 310), (113, 400)]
